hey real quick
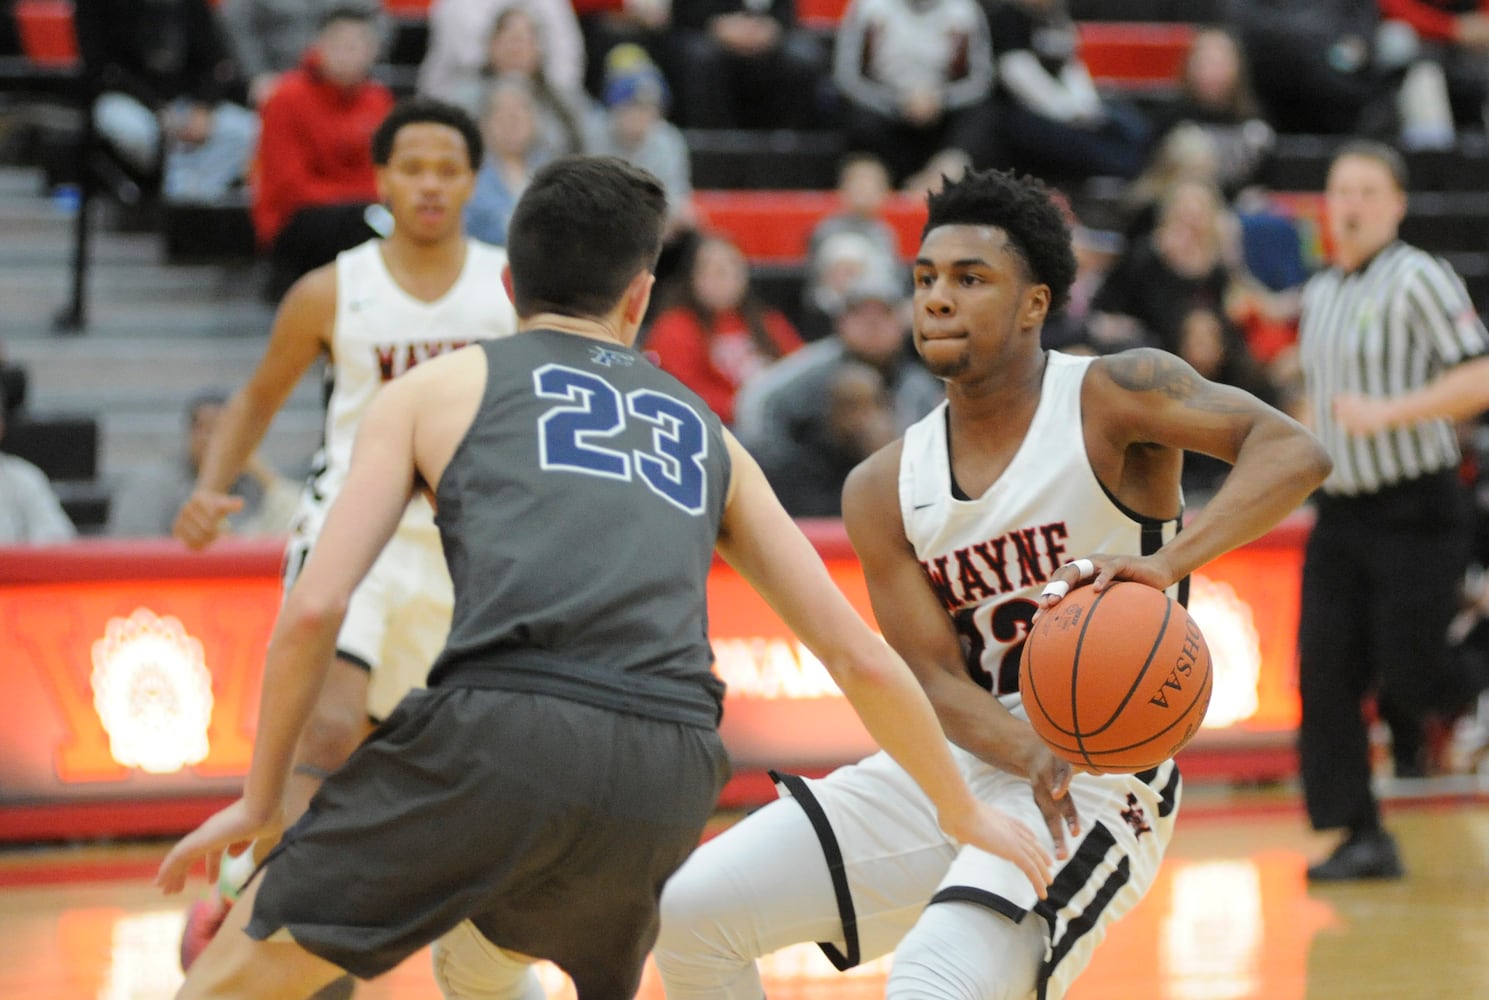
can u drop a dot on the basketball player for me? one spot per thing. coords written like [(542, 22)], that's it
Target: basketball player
[(1039, 469), (376, 311), (565, 756)]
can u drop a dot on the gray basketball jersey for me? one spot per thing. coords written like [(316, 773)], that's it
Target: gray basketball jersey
[(579, 517)]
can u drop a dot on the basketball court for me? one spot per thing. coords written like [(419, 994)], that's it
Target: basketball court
[(1230, 917)]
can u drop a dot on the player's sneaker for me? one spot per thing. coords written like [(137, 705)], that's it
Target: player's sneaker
[(202, 922)]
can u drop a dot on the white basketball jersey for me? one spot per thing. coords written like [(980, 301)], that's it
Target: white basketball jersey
[(381, 332), (988, 558)]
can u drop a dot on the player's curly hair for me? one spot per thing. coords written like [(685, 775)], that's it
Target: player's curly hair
[(1022, 207), (426, 110)]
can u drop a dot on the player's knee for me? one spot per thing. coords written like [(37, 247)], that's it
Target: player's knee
[(963, 951), (330, 736), (467, 966)]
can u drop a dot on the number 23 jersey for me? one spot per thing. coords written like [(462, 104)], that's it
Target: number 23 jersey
[(989, 557)]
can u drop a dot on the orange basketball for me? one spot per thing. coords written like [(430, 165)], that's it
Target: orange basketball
[(1117, 681)]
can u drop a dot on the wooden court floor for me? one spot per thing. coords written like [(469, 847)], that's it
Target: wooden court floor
[(1230, 918)]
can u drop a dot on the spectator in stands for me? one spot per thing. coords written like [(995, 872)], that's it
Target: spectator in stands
[(811, 417), (633, 127), (30, 513), (747, 64), (718, 334), (166, 94), (608, 23), (509, 126), (1326, 66), (314, 180), (145, 504), (1454, 35), (270, 37), (915, 77), (849, 243), (1215, 95), (1051, 119), (516, 50), (460, 29), (1179, 282), (1185, 152), (1075, 329)]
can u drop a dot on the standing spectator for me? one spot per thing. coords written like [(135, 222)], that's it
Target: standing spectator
[(916, 78), (1392, 353), (633, 126), (1215, 95), (516, 50), (269, 37), (746, 64), (811, 417), (30, 513), (719, 334), (459, 30), (164, 88), (1051, 120), (315, 179), (146, 502), (509, 127)]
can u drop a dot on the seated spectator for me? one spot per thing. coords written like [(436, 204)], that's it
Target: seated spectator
[(1075, 329), (148, 498), (851, 241), (459, 31), (314, 180), (915, 78), (165, 95), (1215, 95), (1185, 152), (1454, 36), (718, 334), (746, 64), (1325, 67), (608, 23), (811, 417), (30, 513), (516, 50), (509, 127), (1051, 120), (269, 37), (633, 127)]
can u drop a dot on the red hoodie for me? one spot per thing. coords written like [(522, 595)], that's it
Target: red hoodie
[(315, 146)]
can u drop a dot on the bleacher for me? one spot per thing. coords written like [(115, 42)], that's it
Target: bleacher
[(768, 189)]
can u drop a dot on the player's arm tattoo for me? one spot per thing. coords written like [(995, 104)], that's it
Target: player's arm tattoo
[(1153, 370)]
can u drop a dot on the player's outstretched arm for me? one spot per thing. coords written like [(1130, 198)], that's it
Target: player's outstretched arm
[(301, 332), (918, 627), (759, 539), (303, 644), (1147, 397)]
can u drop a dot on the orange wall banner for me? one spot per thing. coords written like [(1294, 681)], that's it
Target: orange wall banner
[(129, 671)]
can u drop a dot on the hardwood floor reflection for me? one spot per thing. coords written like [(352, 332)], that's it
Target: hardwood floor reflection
[(1230, 918)]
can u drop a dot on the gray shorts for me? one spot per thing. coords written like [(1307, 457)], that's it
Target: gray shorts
[(550, 824)]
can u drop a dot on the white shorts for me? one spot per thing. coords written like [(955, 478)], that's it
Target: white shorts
[(875, 823), (399, 616)]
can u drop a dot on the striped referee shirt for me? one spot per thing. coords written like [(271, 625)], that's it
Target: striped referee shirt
[(1384, 330)]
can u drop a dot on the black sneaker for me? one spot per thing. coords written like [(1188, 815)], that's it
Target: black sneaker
[(1368, 854)]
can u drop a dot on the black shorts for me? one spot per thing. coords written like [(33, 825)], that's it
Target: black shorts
[(552, 825)]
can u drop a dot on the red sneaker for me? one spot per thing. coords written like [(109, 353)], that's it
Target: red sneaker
[(202, 922)]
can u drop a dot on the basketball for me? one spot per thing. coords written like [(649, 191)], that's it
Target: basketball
[(1117, 681)]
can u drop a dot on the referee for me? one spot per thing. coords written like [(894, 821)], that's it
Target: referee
[(1393, 354)]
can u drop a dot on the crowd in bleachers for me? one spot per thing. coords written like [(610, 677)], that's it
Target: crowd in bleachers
[(266, 106)]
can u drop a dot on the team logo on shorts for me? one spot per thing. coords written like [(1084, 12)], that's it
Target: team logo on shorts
[(606, 357), (1135, 816), (152, 692)]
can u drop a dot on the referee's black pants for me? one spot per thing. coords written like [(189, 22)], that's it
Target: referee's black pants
[(1381, 580)]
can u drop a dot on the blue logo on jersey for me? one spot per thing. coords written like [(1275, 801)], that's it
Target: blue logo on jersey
[(606, 357)]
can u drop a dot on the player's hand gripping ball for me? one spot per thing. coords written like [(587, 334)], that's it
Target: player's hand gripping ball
[(1117, 681)]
